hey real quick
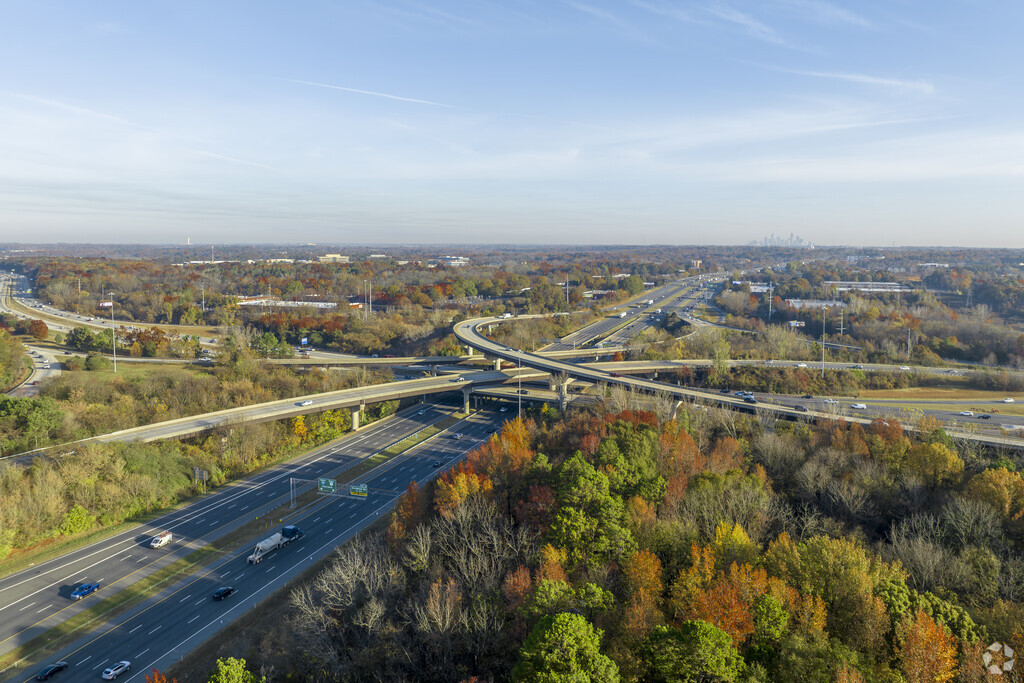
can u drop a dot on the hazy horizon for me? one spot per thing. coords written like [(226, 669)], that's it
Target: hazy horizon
[(637, 122)]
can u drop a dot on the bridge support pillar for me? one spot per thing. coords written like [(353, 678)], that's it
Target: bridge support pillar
[(355, 416), (675, 409), (433, 371), (563, 394), (497, 364), (470, 350), (466, 391)]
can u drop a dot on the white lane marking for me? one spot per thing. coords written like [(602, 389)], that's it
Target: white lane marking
[(45, 608), (135, 629), (272, 569), (142, 653), (194, 618), (225, 575), (26, 607), (154, 630), (185, 598), (84, 661), (201, 602)]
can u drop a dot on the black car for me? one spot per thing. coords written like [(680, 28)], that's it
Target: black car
[(984, 416), (222, 593), (806, 396), (749, 399), (50, 670), (436, 463), (724, 391), (802, 409)]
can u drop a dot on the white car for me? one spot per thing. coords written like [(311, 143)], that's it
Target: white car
[(801, 365), (904, 367), (307, 402), (831, 401), (859, 406), (116, 670), (967, 413), (1007, 400)]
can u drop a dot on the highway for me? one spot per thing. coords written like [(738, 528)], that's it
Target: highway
[(467, 333), (163, 628)]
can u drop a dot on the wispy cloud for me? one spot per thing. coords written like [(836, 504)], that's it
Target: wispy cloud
[(75, 109), (214, 155), (371, 92), (593, 11), (665, 10), (748, 23), (922, 87), (828, 13)]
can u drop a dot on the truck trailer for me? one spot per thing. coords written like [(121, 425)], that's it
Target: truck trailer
[(278, 540)]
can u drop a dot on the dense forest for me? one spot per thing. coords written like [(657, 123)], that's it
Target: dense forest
[(714, 547)]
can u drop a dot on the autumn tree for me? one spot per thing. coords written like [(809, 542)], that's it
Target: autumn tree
[(927, 651), (1000, 488), (38, 329), (936, 463), (456, 485)]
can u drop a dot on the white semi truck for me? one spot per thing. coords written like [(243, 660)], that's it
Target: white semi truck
[(278, 540)]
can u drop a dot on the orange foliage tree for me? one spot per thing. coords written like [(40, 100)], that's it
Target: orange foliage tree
[(456, 485), (927, 651)]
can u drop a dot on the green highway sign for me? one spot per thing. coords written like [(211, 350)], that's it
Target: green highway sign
[(358, 490), (326, 485)]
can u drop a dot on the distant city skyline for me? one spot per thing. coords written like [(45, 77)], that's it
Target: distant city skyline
[(535, 122)]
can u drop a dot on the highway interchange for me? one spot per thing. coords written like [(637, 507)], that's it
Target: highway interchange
[(163, 628)]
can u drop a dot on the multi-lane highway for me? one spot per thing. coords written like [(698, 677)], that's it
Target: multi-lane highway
[(160, 630)]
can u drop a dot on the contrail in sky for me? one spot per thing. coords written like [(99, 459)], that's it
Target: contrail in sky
[(377, 94)]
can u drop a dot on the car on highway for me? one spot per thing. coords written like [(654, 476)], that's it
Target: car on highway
[(800, 408), (905, 367), (305, 403), (51, 670), (859, 406), (806, 396), (724, 391), (1007, 400), (84, 589), (984, 416), (115, 670), (801, 365), (421, 412), (831, 401), (523, 391), (223, 592), (502, 409), (858, 367), (967, 413), (436, 463), (614, 374), (749, 399)]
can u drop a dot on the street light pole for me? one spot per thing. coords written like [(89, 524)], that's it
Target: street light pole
[(519, 391), (824, 310)]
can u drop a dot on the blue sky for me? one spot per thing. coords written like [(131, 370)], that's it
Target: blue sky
[(529, 121)]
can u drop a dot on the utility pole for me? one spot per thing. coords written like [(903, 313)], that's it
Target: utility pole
[(824, 309), (113, 339), (771, 291), (203, 285), (841, 310)]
